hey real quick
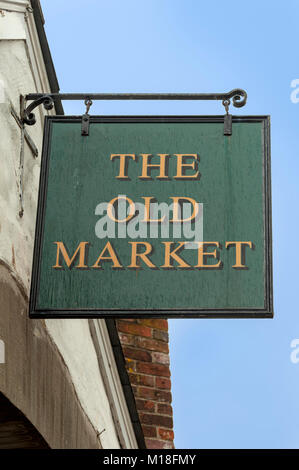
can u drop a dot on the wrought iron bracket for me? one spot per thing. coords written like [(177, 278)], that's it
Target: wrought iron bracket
[(27, 116), (237, 96)]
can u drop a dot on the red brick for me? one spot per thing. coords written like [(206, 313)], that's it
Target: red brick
[(152, 345), (134, 329), (160, 358), (158, 323), (144, 392), (131, 365), (161, 335), (155, 444), (164, 383), (153, 394), (145, 405), (166, 434), (153, 369), (163, 396), (156, 420), (146, 350), (164, 409), (149, 431), (138, 379), (137, 354), (126, 339)]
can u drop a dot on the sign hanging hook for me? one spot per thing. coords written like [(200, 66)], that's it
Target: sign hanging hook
[(85, 118), (226, 104), (227, 118), (87, 103)]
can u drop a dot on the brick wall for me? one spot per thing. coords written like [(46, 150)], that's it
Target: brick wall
[(145, 347)]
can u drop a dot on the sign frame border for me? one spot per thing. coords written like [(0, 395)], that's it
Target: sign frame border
[(235, 313)]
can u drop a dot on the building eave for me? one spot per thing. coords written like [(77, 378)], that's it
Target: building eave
[(52, 77)]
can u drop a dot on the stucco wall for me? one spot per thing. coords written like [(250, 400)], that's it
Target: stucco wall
[(66, 344)]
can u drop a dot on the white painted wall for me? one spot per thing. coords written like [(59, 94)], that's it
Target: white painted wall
[(74, 342), (22, 71)]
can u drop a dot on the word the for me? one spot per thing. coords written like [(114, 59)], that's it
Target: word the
[(182, 165)]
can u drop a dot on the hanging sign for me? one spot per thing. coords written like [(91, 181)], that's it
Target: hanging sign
[(153, 216)]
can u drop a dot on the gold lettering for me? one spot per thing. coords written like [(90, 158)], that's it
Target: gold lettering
[(143, 256), (69, 261), (147, 205), (131, 211), (112, 257), (123, 163), (176, 209), (202, 254), (240, 253), (173, 254), (148, 166), (181, 165)]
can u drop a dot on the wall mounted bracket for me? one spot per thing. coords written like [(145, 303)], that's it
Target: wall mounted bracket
[(27, 116), (238, 97)]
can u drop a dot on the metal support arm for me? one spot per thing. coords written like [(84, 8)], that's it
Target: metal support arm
[(238, 96)]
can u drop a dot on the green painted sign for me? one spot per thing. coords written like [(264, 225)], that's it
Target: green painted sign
[(154, 216)]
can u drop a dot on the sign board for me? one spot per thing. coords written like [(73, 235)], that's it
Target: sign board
[(154, 216)]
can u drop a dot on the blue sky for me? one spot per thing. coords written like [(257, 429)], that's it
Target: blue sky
[(234, 385)]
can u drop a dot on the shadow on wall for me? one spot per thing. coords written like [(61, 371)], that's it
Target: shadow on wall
[(16, 431)]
